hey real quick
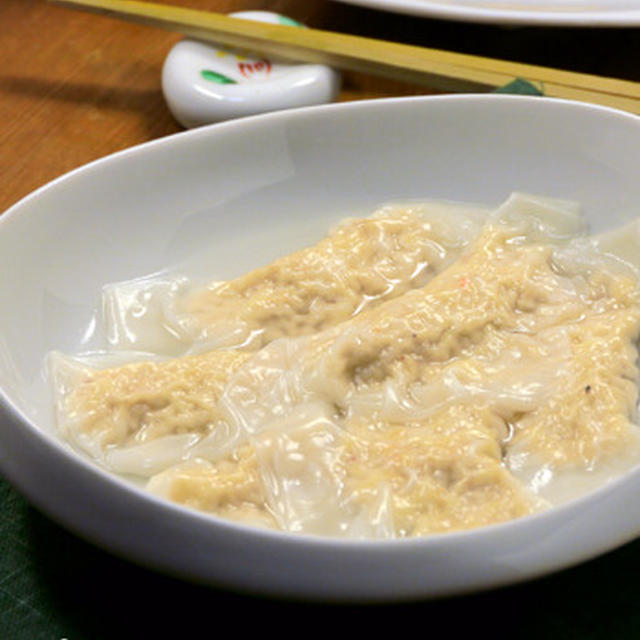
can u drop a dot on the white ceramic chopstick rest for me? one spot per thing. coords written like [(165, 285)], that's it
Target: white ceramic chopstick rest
[(203, 84)]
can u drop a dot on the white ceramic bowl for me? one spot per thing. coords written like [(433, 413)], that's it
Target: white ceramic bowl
[(245, 191)]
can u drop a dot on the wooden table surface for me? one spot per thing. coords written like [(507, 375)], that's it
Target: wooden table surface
[(75, 87)]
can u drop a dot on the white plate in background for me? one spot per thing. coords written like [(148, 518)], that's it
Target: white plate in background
[(576, 13)]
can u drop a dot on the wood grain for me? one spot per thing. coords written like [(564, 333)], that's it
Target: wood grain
[(75, 87)]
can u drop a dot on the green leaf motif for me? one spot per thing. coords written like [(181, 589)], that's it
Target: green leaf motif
[(214, 76), (290, 22)]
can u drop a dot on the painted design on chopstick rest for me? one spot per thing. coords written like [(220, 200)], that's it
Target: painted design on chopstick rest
[(290, 22), (249, 69), (238, 54), (214, 76), (247, 63)]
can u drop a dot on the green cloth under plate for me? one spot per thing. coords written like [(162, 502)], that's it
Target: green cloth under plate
[(53, 586)]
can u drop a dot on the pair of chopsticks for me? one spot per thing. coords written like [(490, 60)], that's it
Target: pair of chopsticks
[(435, 68)]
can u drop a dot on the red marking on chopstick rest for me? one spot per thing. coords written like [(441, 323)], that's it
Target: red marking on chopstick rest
[(248, 69)]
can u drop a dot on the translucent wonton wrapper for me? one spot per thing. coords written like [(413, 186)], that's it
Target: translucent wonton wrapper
[(362, 263)]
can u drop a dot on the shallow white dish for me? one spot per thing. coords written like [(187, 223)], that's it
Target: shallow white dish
[(243, 192), (577, 13)]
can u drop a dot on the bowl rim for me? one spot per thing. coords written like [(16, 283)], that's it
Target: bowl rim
[(75, 463)]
